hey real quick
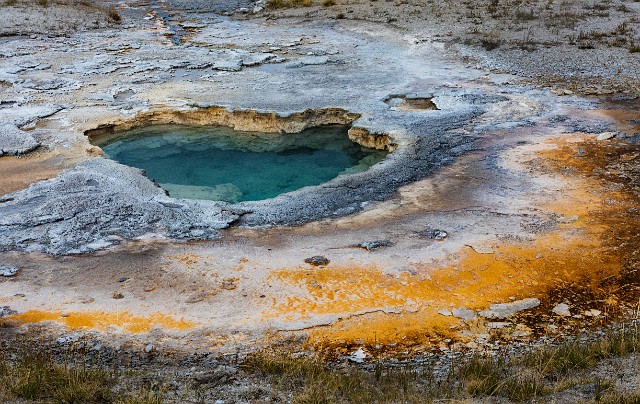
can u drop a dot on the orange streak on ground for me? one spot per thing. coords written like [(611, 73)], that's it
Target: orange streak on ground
[(101, 320), (572, 254), (474, 281)]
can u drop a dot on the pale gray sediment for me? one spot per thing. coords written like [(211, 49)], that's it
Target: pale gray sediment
[(242, 66), (14, 141), (100, 202), (96, 204)]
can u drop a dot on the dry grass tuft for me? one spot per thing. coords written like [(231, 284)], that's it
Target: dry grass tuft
[(532, 376), (35, 377), (278, 4)]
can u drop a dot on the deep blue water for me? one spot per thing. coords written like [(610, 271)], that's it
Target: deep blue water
[(219, 163)]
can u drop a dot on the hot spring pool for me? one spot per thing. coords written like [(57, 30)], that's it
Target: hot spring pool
[(219, 163)]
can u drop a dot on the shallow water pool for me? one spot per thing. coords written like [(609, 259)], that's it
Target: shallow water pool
[(219, 163)]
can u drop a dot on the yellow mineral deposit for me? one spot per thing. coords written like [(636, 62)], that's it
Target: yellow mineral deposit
[(101, 320), (404, 308)]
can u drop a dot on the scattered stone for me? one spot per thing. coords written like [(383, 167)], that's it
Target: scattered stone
[(561, 309), (506, 310), (69, 338), (357, 356), (496, 325), (216, 377), (592, 313), (149, 348), (6, 311), (606, 135), (50, 84), (445, 312), (561, 92), (228, 65), (317, 260), (463, 313), (374, 245), (118, 296), (434, 234), (308, 61), (123, 279), (8, 270), (521, 331)]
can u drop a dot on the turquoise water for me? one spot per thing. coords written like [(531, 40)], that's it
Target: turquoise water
[(219, 163)]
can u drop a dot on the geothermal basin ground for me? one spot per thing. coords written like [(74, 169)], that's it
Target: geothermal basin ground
[(485, 195)]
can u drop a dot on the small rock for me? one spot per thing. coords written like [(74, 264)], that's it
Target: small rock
[(496, 325), (123, 279), (561, 309), (69, 338), (606, 135), (6, 311), (561, 91), (434, 234), (374, 245), (86, 300), (118, 296), (506, 310), (358, 356), (592, 313), (8, 270), (149, 287), (317, 260), (521, 333), (444, 312), (216, 377), (149, 348), (463, 313)]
